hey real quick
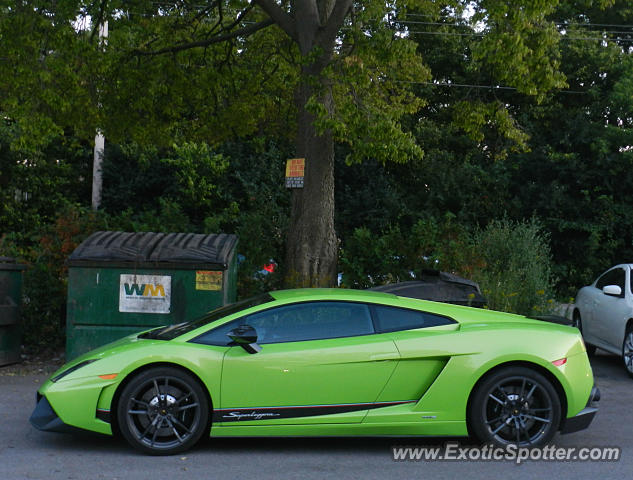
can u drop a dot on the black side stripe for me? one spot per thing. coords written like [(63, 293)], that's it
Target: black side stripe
[(103, 415), (269, 413)]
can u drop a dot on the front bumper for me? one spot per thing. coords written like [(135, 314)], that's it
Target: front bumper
[(585, 416), (44, 418)]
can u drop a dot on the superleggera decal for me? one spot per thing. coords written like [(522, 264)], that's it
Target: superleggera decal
[(266, 413), (248, 416)]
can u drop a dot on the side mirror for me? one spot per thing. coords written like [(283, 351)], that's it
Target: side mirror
[(612, 290), (246, 337)]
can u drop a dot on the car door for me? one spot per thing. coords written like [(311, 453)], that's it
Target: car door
[(425, 344), (609, 311), (614, 325), (319, 362)]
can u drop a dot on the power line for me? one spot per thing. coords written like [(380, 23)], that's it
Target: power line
[(486, 87), (400, 20), (458, 85), (563, 37), (415, 22), (450, 34), (465, 25), (603, 39), (557, 22), (476, 34), (610, 25)]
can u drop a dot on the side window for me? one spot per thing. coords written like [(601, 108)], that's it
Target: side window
[(617, 276), (219, 335), (391, 319), (300, 322)]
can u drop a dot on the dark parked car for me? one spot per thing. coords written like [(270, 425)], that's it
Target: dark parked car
[(438, 287)]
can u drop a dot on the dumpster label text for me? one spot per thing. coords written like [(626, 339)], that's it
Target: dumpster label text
[(208, 280), (145, 293)]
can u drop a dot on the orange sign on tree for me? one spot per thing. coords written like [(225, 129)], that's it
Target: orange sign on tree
[(295, 169)]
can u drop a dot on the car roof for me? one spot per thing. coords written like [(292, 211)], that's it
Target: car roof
[(462, 314), (330, 293)]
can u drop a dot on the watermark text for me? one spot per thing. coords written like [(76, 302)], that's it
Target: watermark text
[(453, 451)]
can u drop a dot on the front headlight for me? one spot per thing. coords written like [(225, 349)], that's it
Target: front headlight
[(72, 369)]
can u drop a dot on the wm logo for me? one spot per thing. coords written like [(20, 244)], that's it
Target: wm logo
[(144, 290), (144, 293)]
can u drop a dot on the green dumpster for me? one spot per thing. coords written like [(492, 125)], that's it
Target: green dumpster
[(120, 283), (10, 301)]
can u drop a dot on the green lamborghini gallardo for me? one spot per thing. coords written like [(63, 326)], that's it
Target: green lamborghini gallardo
[(327, 362)]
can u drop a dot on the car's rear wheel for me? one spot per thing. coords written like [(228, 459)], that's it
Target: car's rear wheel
[(515, 405), (163, 411), (627, 351), (577, 322)]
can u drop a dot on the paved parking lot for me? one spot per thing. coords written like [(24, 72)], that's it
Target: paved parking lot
[(26, 453)]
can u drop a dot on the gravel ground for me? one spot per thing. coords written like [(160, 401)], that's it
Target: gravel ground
[(40, 363)]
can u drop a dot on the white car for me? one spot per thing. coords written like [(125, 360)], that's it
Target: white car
[(604, 313)]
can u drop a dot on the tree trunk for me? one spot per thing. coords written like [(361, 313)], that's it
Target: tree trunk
[(311, 251)]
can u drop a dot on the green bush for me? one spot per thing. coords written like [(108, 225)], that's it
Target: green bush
[(510, 260), (368, 259), (45, 279), (516, 274)]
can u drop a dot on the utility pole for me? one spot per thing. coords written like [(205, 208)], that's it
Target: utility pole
[(97, 179)]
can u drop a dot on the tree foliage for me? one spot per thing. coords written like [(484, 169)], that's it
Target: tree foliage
[(427, 120), (179, 71), (565, 159)]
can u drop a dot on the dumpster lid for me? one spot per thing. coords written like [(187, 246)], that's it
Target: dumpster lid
[(10, 263), (184, 250)]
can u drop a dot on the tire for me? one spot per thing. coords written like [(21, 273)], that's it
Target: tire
[(577, 322), (514, 406), (163, 411), (627, 351)]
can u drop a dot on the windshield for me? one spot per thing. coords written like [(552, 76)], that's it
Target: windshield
[(172, 331)]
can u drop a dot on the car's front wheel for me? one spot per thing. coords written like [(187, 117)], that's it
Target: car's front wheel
[(163, 411), (514, 405), (627, 351)]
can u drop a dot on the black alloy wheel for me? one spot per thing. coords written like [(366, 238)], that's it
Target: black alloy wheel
[(515, 406), (163, 411)]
